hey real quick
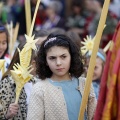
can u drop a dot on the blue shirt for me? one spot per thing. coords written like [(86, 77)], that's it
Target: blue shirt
[(72, 96), (96, 86)]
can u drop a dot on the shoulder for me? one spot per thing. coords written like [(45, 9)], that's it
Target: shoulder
[(81, 84), (40, 83), (40, 86), (38, 91), (7, 80), (82, 80), (35, 79)]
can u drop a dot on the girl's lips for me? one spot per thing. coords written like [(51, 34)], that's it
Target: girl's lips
[(60, 69)]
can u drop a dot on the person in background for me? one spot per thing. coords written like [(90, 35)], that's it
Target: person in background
[(4, 47), (77, 21), (53, 16), (8, 108), (40, 17), (10, 12), (95, 8), (98, 70)]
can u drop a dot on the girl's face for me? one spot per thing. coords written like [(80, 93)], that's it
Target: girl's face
[(98, 68), (3, 43), (59, 59)]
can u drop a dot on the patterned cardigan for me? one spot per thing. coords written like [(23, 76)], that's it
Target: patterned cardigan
[(47, 102), (7, 96)]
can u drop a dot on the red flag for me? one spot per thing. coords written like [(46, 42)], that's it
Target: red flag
[(108, 101)]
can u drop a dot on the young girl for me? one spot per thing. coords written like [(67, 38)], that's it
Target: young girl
[(100, 62), (8, 109), (59, 93), (4, 47)]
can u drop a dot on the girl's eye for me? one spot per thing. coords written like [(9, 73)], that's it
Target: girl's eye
[(52, 58), (63, 57), (4, 43), (96, 67)]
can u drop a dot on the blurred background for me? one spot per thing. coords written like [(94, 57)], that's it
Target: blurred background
[(80, 16)]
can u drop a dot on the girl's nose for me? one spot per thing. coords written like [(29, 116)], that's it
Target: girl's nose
[(58, 61)]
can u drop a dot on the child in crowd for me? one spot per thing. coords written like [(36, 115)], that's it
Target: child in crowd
[(8, 109), (100, 62), (59, 93), (4, 44)]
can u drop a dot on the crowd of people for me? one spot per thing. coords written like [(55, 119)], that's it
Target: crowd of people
[(56, 89), (83, 16)]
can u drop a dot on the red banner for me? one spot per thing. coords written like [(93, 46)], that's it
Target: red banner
[(109, 96)]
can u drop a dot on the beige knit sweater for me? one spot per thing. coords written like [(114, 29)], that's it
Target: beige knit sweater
[(47, 102)]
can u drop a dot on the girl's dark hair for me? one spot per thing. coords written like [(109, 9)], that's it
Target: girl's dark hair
[(4, 30), (76, 68)]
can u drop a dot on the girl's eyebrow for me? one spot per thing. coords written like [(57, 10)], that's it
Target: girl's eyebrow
[(64, 54), (60, 55), (52, 56)]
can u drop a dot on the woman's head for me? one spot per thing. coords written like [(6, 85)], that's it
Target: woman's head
[(54, 7), (100, 62), (3, 41), (60, 51), (75, 38)]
